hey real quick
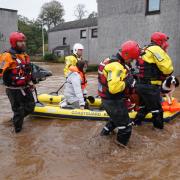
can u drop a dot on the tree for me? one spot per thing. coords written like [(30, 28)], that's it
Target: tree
[(52, 14), (33, 32), (80, 11), (93, 14)]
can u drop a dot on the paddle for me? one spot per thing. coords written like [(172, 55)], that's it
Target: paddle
[(56, 92), (37, 101)]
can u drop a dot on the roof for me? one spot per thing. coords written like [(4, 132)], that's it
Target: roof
[(75, 24), (11, 10)]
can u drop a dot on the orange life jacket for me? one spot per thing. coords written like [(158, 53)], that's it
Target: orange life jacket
[(16, 69), (82, 75)]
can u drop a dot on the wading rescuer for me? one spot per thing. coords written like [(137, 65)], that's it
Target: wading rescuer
[(154, 66), (74, 58), (113, 79), (17, 77)]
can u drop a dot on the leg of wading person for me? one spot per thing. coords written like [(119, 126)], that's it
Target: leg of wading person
[(153, 105), (29, 102), (141, 114), (151, 98), (158, 121), (118, 113), (157, 111), (15, 98), (110, 126), (123, 123)]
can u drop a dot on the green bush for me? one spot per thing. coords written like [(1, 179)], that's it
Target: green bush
[(50, 57), (36, 58), (61, 59)]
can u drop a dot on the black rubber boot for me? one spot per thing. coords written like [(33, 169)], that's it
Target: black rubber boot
[(18, 125), (18, 129), (104, 132), (138, 121), (139, 118), (158, 121), (107, 129), (158, 124), (124, 135)]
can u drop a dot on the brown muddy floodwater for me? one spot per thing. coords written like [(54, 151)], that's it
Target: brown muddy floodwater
[(58, 149)]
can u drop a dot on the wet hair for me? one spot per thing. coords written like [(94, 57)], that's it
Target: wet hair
[(80, 64)]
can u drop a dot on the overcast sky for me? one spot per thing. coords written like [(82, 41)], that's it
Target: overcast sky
[(31, 8)]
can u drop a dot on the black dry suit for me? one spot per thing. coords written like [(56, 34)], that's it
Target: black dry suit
[(113, 79), (153, 66)]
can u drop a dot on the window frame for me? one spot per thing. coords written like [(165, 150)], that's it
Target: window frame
[(81, 34), (92, 33), (64, 41), (148, 12)]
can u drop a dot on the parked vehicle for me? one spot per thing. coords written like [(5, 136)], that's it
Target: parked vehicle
[(40, 73)]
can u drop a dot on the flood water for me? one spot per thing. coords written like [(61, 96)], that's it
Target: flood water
[(73, 150)]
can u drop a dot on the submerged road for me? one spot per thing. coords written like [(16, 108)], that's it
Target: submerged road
[(73, 150)]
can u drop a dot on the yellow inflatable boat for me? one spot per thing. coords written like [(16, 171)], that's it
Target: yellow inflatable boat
[(51, 99), (49, 108)]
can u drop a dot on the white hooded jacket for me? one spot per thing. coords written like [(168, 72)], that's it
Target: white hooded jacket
[(73, 91)]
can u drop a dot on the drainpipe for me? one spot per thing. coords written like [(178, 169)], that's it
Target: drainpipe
[(88, 45)]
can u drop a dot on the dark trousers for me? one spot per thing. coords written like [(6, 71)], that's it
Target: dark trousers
[(151, 101), (119, 118), (21, 104)]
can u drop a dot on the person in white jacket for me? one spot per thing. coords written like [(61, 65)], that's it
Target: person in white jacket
[(75, 87)]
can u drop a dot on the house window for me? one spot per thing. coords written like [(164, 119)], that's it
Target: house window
[(94, 33), (83, 34), (153, 7), (2, 37), (64, 40)]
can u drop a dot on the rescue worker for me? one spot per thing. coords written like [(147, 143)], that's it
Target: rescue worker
[(75, 87), (154, 66), (113, 79), (17, 77), (74, 58)]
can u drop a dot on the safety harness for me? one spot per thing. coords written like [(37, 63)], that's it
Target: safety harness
[(102, 80), (149, 73), (20, 75)]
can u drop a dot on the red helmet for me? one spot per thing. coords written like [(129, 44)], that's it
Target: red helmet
[(160, 39), (15, 37), (130, 50)]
